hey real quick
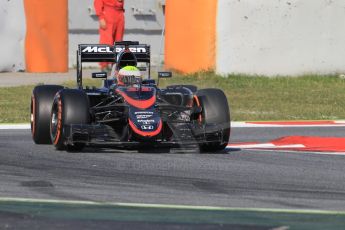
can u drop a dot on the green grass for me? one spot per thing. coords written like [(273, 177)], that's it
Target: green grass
[(307, 97), (251, 98), (15, 102)]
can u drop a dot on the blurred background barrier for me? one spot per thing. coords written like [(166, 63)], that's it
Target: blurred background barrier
[(263, 37)]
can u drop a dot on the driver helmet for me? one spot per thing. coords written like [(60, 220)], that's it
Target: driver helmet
[(128, 75)]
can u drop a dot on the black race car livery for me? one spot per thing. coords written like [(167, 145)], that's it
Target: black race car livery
[(137, 113)]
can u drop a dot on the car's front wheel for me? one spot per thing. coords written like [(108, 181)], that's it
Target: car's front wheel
[(215, 113), (41, 104), (70, 106)]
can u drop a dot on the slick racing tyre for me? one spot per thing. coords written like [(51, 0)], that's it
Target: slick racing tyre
[(70, 106), (41, 104), (215, 113)]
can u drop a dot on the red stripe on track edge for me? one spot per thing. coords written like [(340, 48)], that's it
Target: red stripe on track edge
[(309, 143), (297, 123)]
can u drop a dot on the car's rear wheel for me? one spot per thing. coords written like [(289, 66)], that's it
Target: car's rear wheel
[(70, 106), (215, 113), (41, 104)]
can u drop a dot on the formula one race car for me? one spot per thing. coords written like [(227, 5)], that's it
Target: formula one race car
[(128, 111)]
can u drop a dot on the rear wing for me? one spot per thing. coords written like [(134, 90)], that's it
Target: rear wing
[(108, 53)]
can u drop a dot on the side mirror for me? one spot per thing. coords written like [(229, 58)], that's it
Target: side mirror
[(148, 82), (99, 75), (164, 74)]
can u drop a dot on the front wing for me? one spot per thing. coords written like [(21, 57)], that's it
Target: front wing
[(101, 134)]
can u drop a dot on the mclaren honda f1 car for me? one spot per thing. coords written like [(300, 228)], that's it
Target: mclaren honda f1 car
[(128, 112)]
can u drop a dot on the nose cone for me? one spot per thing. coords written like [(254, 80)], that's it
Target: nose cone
[(146, 129), (145, 122)]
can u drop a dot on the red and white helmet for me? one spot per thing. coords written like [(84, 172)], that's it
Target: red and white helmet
[(128, 75)]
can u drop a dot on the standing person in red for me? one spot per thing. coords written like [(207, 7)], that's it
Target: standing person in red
[(111, 22)]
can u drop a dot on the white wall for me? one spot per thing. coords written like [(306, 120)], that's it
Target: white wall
[(12, 35), (280, 37)]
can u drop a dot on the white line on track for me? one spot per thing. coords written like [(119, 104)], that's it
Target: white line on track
[(15, 126), (264, 146), (168, 206), (238, 124), (235, 124), (258, 150)]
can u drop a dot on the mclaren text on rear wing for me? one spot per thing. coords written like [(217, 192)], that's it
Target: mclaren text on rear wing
[(107, 53)]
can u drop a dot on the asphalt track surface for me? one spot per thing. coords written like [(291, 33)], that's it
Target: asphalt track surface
[(234, 178)]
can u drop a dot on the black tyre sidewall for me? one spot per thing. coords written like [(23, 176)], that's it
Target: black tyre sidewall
[(41, 103), (73, 105), (215, 110)]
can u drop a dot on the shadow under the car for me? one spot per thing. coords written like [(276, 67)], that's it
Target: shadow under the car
[(151, 150)]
